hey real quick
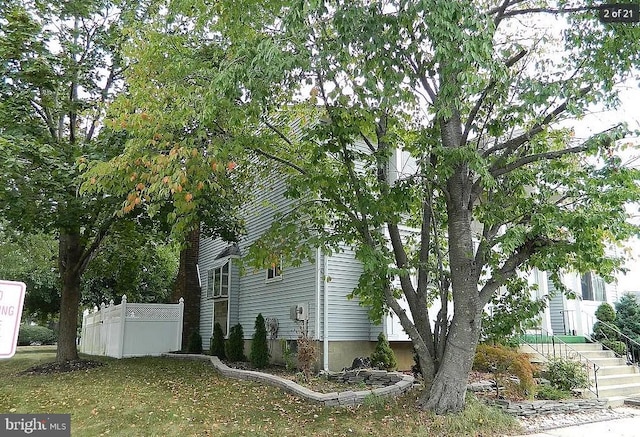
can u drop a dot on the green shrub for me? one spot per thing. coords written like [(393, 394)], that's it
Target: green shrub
[(216, 347), (616, 346), (194, 345), (259, 355), (29, 334), (605, 313), (604, 328), (552, 393), (504, 362), (383, 356), (234, 347), (566, 374), (605, 332)]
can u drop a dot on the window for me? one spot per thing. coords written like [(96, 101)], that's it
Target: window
[(593, 287), (218, 281), (275, 271)]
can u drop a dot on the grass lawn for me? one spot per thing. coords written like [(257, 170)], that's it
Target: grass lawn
[(170, 397)]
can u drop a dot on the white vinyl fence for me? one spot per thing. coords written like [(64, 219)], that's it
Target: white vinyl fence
[(132, 329)]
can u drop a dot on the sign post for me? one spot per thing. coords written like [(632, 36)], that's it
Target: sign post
[(11, 301)]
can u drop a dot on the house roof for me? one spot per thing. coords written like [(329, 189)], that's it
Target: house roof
[(230, 250)]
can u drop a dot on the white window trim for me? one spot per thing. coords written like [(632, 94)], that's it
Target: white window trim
[(274, 278), (211, 276)]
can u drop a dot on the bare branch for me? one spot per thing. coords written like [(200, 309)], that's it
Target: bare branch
[(90, 252), (553, 11), (368, 142), (43, 113), (474, 112), (423, 80), (510, 266), (499, 11), (277, 131), (516, 142), (279, 159), (535, 158)]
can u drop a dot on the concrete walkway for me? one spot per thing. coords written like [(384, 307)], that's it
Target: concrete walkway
[(624, 427)]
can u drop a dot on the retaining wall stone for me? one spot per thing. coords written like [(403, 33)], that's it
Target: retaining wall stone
[(396, 383)]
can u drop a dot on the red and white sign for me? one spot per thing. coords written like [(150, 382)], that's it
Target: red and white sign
[(11, 301)]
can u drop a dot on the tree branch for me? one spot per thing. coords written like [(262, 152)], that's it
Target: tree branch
[(423, 80), (90, 252), (554, 11), (509, 267), (516, 142), (535, 158), (277, 131), (408, 326), (280, 160), (476, 108)]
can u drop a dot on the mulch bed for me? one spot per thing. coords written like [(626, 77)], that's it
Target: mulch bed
[(61, 367), (316, 383)]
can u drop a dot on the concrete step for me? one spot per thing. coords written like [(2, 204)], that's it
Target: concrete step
[(574, 346), (617, 382), (625, 390), (633, 401), (596, 354), (609, 362), (537, 352), (583, 346), (612, 380), (618, 370), (619, 401)]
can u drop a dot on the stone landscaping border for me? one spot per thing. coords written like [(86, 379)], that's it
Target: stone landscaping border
[(544, 407), (539, 407), (345, 398)]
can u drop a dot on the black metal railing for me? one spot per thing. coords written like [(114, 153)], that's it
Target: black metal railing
[(550, 346), (631, 347)]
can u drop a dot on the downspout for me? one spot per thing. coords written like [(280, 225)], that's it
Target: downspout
[(325, 336), (318, 286)]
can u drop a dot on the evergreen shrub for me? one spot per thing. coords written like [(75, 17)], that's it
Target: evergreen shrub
[(259, 355), (234, 347), (383, 356), (216, 347), (35, 334), (194, 345)]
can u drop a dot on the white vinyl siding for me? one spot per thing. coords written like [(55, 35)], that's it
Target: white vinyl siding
[(348, 320), (274, 296)]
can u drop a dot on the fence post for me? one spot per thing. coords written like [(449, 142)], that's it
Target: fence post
[(95, 332), (103, 329), (179, 337), (123, 319)]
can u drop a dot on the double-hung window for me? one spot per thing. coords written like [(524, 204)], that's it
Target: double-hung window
[(274, 272), (593, 287), (218, 281)]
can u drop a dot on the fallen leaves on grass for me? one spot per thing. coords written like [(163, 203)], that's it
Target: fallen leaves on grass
[(169, 397), (60, 367)]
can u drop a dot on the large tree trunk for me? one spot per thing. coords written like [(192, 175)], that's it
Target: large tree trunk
[(448, 389), (188, 286), (70, 253), (447, 392)]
